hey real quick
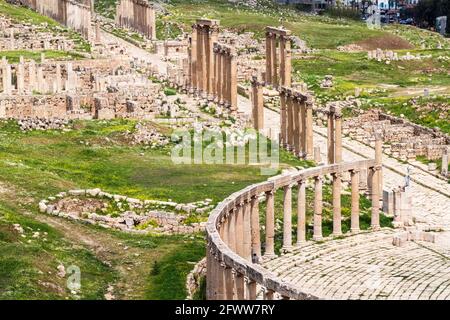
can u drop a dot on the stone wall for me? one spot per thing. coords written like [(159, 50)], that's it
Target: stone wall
[(402, 139)]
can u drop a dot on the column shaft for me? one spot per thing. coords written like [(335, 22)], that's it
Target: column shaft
[(287, 218), (317, 208), (355, 201), (247, 241), (301, 212), (256, 237), (270, 225), (337, 229)]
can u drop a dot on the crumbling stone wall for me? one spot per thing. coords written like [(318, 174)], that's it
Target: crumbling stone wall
[(402, 139)]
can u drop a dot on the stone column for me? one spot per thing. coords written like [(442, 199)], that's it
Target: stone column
[(337, 229), (379, 162), (194, 58), (275, 78), (256, 238), (268, 294), (287, 218), (247, 253), (224, 78), (288, 64), (219, 76), (20, 78), (199, 63), (338, 137), (7, 78), (204, 60), (232, 230), (290, 122), (215, 89), (98, 35), (317, 236), (239, 228), (213, 37), (238, 285), (303, 129), (282, 45), (233, 81), (229, 285), (250, 289), (258, 105), (355, 201), (269, 57), (283, 116), (330, 137), (297, 129), (32, 76), (270, 225), (444, 166), (309, 130), (301, 213), (375, 218)]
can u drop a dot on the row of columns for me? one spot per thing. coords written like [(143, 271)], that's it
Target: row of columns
[(205, 34), (138, 15), (36, 80), (72, 14), (225, 76), (239, 229), (278, 57), (296, 121)]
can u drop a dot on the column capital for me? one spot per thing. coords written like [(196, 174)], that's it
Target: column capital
[(318, 178), (376, 168), (337, 174), (271, 192), (355, 171)]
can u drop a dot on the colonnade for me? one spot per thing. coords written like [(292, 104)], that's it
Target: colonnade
[(201, 54), (225, 76), (30, 77), (296, 121), (138, 15), (278, 57), (72, 14), (236, 244)]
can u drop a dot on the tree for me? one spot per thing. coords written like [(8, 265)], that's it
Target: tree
[(426, 12)]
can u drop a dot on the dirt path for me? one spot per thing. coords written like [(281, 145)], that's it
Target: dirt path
[(131, 264)]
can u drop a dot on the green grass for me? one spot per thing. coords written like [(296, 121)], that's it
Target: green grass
[(28, 265), (36, 164), (14, 56)]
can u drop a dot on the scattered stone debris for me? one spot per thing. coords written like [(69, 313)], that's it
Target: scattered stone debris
[(30, 124)]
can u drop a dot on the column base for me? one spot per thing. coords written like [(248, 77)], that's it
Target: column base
[(355, 230), (337, 234), (287, 249), (317, 238), (375, 228), (300, 243)]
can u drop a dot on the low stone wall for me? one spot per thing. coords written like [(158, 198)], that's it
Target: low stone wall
[(123, 213), (402, 139)]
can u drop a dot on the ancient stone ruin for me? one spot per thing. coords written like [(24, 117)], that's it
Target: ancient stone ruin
[(72, 14), (138, 15)]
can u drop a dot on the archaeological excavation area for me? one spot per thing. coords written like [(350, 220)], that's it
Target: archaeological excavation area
[(214, 151)]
